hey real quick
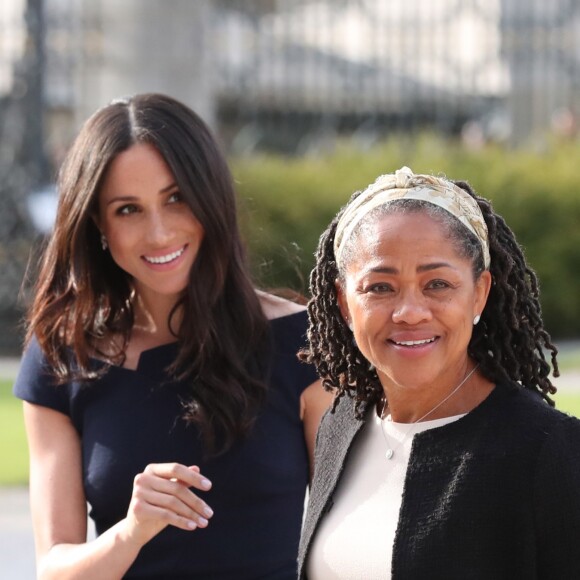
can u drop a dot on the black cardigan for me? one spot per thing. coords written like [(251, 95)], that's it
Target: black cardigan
[(494, 495)]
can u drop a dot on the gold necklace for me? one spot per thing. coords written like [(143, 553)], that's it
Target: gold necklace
[(390, 452)]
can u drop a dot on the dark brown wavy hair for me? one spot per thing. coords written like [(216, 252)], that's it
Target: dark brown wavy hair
[(81, 296), (508, 343)]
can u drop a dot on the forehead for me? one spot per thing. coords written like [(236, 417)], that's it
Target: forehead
[(138, 168), (401, 237)]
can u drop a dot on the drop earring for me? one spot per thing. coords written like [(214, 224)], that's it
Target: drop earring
[(476, 319), (104, 243)]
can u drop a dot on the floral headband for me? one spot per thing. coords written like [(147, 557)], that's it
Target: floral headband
[(404, 184)]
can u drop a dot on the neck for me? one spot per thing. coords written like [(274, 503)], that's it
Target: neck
[(152, 318), (462, 394)]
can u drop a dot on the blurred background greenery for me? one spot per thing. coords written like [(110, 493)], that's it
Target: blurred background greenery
[(311, 99), (288, 202)]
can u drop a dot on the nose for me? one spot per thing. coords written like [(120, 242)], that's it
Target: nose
[(411, 308), (159, 231)]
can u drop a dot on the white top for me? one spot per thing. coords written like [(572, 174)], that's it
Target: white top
[(355, 538)]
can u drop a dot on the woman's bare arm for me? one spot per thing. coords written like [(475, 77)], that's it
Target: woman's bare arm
[(314, 402), (161, 497)]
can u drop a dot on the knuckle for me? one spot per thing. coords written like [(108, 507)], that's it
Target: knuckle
[(171, 517), (138, 506), (176, 488), (174, 503), (200, 505)]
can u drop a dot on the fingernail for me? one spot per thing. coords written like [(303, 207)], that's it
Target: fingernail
[(191, 525), (205, 483), (208, 511), (202, 522)]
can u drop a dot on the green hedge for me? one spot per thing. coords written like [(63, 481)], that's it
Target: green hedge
[(288, 202)]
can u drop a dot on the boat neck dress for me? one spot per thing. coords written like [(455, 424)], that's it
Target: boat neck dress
[(130, 418)]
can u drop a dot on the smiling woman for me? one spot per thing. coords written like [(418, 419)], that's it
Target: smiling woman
[(151, 233), (159, 385), (411, 299), (443, 457)]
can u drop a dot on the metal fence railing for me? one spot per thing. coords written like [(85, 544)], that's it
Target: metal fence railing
[(282, 75), (309, 70)]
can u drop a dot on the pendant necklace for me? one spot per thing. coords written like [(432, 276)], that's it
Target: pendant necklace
[(390, 449)]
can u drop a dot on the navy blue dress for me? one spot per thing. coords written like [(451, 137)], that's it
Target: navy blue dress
[(130, 418)]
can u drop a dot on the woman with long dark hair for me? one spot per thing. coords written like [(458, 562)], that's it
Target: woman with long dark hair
[(160, 386)]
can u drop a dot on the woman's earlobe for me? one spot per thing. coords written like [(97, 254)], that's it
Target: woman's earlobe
[(484, 283), (341, 303)]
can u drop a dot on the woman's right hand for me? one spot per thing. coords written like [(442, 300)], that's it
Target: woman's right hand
[(162, 497)]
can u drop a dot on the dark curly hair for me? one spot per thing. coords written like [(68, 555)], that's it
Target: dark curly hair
[(508, 343)]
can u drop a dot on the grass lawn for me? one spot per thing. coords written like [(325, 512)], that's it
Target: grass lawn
[(14, 451), (14, 467), (569, 359), (568, 402)]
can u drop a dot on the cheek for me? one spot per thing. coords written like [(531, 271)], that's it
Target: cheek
[(117, 238), (109, 227), (459, 320), (122, 243), (366, 315), (200, 232), (189, 223)]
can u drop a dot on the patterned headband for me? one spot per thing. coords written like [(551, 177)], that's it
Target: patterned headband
[(404, 184)]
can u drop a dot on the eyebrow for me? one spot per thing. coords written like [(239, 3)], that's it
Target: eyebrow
[(169, 187), (127, 198), (422, 268)]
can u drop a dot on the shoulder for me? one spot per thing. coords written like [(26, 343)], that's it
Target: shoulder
[(288, 320), (276, 306), (33, 361), (288, 323), (36, 383), (530, 404), (558, 466), (340, 423), (556, 492), (519, 417)]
